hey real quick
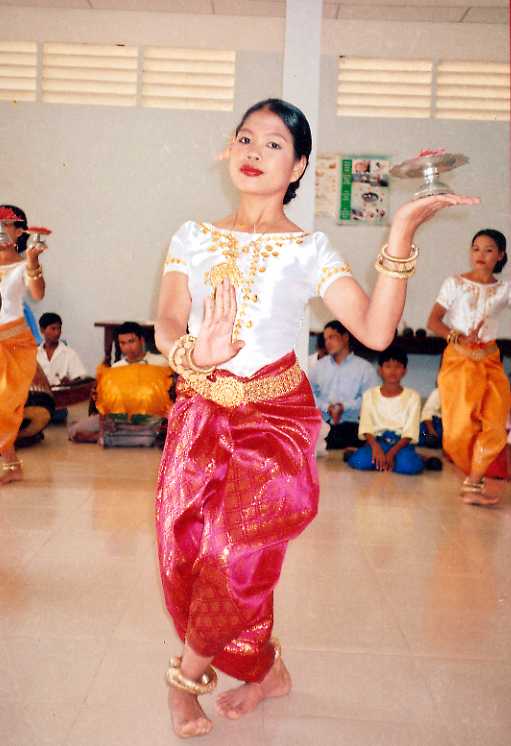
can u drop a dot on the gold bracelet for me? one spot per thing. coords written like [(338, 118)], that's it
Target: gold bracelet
[(180, 357), (205, 685), (34, 274), (400, 268), (453, 337)]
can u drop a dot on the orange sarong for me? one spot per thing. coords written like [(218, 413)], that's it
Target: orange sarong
[(475, 398), (18, 352)]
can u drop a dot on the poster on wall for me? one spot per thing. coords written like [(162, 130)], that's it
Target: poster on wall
[(363, 194), (327, 184)]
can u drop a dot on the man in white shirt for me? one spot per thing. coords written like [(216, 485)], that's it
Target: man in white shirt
[(339, 381), (60, 363)]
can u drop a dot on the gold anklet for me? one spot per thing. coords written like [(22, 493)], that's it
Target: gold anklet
[(205, 685), (12, 465)]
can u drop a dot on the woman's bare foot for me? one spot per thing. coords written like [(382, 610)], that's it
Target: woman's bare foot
[(11, 474), (480, 498), (245, 698), (188, 717)]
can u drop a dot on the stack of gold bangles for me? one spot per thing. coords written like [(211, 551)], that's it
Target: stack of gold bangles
[(180, 357), (453, 337), (402, 268), (34, 274)]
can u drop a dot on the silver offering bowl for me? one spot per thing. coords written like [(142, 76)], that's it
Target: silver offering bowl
[(429, 167), (37, 236)]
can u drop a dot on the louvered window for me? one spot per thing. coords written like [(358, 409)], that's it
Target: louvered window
[(384, 88), (90, 74), (188, 78), (18, 71), (472, 90)]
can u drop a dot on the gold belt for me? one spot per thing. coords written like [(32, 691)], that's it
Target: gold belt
[(476, 353), (21, 326), (229, 391)]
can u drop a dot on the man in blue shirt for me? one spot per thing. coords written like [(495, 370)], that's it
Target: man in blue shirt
[(339, 381)]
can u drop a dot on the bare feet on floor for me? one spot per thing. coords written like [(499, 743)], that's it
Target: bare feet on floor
[(245, 698), (10, 475), (188, 717)]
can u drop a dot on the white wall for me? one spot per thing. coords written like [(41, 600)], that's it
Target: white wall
[(114, 183)]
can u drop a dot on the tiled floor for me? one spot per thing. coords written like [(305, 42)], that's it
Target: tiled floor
[(394, 610)]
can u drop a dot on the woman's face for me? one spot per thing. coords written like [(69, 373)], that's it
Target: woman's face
[(12, 232), (484, 254), (262, 158)]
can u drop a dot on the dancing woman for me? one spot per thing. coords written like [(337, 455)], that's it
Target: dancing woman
[(19, 270), (473, 386), (238, 476)]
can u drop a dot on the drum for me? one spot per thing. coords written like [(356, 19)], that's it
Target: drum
[(72, 393), (39, 409)]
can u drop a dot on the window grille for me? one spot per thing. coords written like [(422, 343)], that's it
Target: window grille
[(18, 71), (384, 88), (472, 90), (188, 78), (90, 74)]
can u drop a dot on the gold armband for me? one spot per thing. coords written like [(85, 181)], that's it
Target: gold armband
[(402, 268), (453, 337)]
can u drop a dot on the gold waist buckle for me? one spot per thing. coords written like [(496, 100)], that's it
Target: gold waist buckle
[(229, 391), (476, 353)]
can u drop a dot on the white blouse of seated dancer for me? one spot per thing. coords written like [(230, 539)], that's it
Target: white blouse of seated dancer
[(12, 290), (275, 275), (401, 414), (468, 302), (432, 406), (64, 363)]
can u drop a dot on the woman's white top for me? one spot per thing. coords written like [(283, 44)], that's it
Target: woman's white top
[(279, 274), (12, 290), (468, 302)]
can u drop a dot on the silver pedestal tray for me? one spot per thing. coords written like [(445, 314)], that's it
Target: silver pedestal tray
[(428, 167)]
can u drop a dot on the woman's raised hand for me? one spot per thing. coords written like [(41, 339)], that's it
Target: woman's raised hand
[(35, 251), (414, 213), (214, 344)]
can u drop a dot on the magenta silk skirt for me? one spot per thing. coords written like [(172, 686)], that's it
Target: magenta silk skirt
[(235, 485)]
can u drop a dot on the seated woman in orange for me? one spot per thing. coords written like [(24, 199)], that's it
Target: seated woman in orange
[(473, 386), (17, 345)]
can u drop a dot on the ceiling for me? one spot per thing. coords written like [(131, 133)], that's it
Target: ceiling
[(441, 11)]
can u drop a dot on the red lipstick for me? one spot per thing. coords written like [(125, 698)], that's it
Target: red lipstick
[(250, 171)]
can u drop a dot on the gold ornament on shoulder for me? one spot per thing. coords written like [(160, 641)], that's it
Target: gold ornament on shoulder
[(227, 392)]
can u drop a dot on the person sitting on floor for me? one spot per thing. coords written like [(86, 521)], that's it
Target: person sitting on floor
[(60, 363), (431, 422), (338, 381), (320, 352), (389, 420), (130, 339)]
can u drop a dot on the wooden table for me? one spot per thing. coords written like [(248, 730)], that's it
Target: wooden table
[(109, 338)]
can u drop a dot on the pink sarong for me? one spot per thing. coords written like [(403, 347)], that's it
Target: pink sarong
[(235, 485)]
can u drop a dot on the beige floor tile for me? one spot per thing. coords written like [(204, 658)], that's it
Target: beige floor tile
[(52, 670), (336, 732), (36, 723)]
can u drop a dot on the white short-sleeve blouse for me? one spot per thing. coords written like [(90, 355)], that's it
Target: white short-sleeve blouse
[(12, 290), (468, 303), (275, 274)]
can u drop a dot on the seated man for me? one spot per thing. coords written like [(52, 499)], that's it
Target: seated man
[(130, 338), (338, 381), (389, 420), (319, 353), (60, 363)]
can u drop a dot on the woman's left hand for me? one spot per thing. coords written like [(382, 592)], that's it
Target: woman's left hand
[(412, 214), (34, 252)]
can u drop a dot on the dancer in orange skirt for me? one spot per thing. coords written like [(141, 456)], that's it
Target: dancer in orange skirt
[(17, 344), (238, 475), (473, 386)]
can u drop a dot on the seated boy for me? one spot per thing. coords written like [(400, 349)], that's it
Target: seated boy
[(389, 420), (59, 362)]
